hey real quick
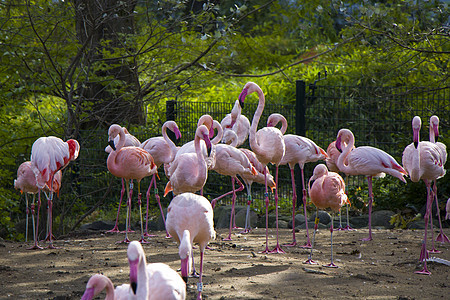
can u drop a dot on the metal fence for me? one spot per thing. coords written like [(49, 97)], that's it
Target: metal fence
[(378, 116)]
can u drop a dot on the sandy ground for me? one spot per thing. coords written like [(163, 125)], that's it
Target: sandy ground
[(379, 269)]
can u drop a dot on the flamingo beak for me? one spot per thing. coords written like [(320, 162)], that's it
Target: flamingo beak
[(208, 144), (242, 97), (111, 144), (88, 294), (416, 137), (436, 134), (177, 135), (185, 269), (133, 274), (338, 144)]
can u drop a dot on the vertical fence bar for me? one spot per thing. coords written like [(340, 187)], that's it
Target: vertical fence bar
[(300, 129)]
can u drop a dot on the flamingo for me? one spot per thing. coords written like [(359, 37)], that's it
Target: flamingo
[(333, 154), (129, 163), (299, 150), (153, 281), (434, 135), (190, 220), (237, 123), (327, 190), (230, 161), (130, 140), (48, 156), (163, 151), (188, 171), (98, 282), (268, 145), (368, 161), (422, 160), (189, 147)]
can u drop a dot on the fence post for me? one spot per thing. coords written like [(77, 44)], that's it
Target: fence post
[(300, 129)]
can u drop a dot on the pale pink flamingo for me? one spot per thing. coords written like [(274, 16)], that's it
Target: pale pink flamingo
[(434, 135), (189, 147), (130, 140), (333, 154), (368, 161), (299, 150), (237, 123), (230, 161), (326, 190), (190, 220), (188, 171), (268, 145), (163, 151), (98, 282), (422, 160), (48, 156), (152, 281), (129, 163)]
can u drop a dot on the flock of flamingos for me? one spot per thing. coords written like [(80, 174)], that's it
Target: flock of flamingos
[(189, 217)]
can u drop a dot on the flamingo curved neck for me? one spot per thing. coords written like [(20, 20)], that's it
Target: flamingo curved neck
[(169, 142), (254, 126), (109, 288), (111, 161), (347, 147)]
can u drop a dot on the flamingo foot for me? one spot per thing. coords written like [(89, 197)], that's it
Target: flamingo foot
[(146, 234), (423, 272), (307, 245), (237, 227), (367, 239), (50, 246), (194, 274), (330, 265), (114, 230), (434, 250), (143, 241), (266, 251), (35, 247), (349, 228), (340, 228), (293, 244), (309, 261), (277, 250), (227, 238), (129, 230), (125, 241), (441, 237), (47, 238), (246, 230), (168, 236)]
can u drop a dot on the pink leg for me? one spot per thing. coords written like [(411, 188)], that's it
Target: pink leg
[(200, 281), (433, 249), (441, 236), (50, 218), (331, 264), (294, 203), (241, 187), (347, 227), (142, 240), (369, 181), (266, 196), (146, 234), (277, 248), (233, 200), (36, 238), (310, 261), (128, 218), (308, 243), (423, 251), (247, 228), (122, 191)]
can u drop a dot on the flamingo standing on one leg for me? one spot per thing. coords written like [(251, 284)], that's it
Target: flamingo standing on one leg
[(188, 171), (333, 154), (130, 140), (434, 135), (327, 190), (129, 163), (152, 281), (423, 161), (163, 151), (48, 156), (99, 282), (368, 161), (190, 219), (268, 145), (299, 150)]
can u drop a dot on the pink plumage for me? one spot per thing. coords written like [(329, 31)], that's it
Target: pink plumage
[(130, 140), (98, 282), (190, 220), (237, 123), (447, 208)]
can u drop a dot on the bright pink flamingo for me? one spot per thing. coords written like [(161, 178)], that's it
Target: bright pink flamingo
[(188, 171), (327, 190), (230, 161), (190, 220), (422, 160), (130, 140), (163, 151), (333, 154), (299, 150), (268, 145), (434, 135), (48, 156), (129, 163), (237, 123), (152, 281), (368, 161), (98, 282)]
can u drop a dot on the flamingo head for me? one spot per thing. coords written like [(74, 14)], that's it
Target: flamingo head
[(434, 123), (95, 286), (74, 148), (134, 252), (203, 133), (243, 94), (416, 124), (185, 269)]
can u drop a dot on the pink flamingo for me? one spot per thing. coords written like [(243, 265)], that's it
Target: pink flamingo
[(268, 145), (98, 282), (434, 135), (130, 140), (327, 190), (422, 160), (48, 156), (129, 163), (163, 151), (333, 154), (230, 161), (190, 220), (368, 161), (152, 281), (299, 150), (237, 123), (188, 171), (189, 147)]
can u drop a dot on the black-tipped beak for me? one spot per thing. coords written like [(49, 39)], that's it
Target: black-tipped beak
[(241, 102), (111, 144), (134, 287), (310, 183), (416, 144), (185, 279), (209, 149)]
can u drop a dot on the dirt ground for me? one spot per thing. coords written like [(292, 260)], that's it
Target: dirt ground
[(379, 269)]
